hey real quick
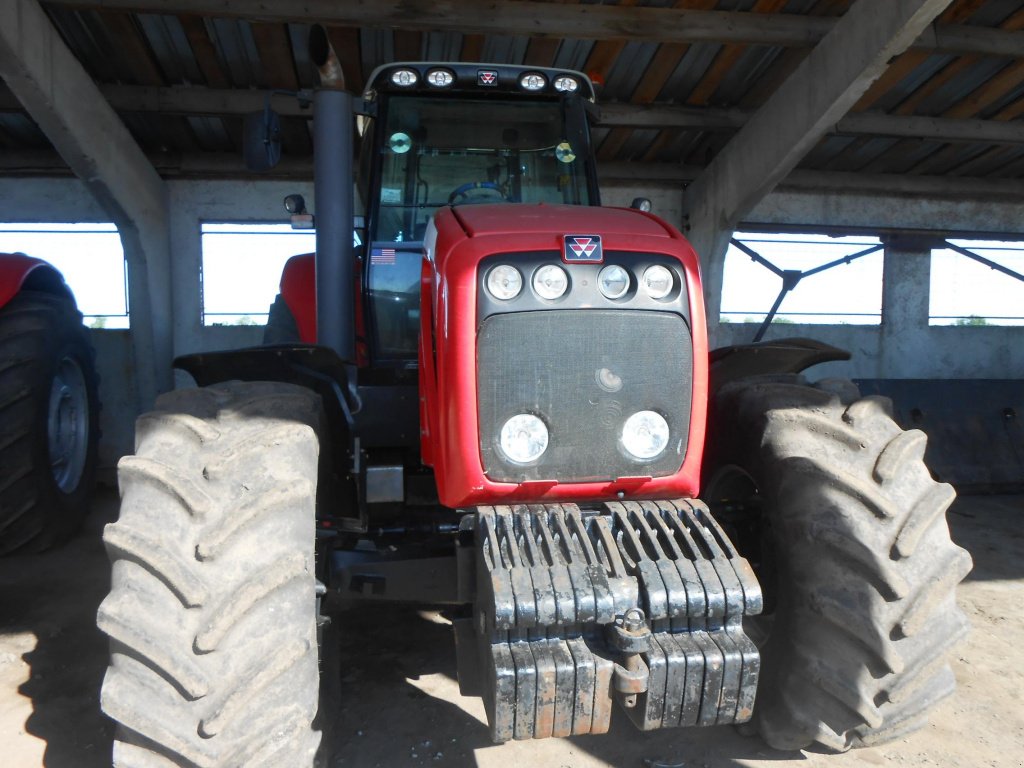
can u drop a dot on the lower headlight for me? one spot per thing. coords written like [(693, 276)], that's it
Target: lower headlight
[(645, 435), (524, 438)]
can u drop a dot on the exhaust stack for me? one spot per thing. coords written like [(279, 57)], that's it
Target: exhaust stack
[(332, 188), (326, 60)]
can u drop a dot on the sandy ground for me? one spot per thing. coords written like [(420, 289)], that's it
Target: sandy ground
[(401, 704)]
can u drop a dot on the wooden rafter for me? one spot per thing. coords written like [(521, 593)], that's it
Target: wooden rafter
[(555, 20)]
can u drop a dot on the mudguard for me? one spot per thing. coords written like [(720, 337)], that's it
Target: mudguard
[(766, 357), (18, 272)]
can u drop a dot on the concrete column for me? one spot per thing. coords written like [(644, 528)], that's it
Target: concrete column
[(906, 287)]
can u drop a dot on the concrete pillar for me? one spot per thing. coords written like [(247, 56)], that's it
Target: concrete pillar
[(905, 298)]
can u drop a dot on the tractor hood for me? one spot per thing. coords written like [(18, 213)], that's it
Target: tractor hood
[(541, 218)]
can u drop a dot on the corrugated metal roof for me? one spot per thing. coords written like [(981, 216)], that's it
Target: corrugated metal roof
[(164, 50)]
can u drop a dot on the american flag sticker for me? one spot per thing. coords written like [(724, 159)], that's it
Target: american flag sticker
[(382, 256)]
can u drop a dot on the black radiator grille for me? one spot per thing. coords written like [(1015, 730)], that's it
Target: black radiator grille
[(551, 363)]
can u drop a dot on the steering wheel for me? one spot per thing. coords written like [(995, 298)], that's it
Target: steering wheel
[(465, 190)]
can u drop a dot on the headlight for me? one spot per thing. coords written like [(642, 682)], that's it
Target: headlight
[(524, 438), (658, 281), (404, 77), (440, 78), (613, 281), (550, 281), (533, 81), (645, 435), (504, 282), (566, 84)]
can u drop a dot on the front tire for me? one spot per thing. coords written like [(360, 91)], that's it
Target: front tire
[(212, 609), (49, 422), (856, 559)]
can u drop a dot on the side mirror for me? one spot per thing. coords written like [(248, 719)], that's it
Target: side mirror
[(261, 140)]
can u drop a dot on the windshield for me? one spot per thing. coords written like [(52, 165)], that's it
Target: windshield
[(440, 152)]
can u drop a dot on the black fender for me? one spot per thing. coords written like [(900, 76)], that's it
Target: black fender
[(767, 357), (378, 415)]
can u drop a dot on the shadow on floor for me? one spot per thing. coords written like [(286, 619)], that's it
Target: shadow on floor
[(54, 596)]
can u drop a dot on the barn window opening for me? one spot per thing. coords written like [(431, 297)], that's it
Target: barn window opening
[(89, 256), (977, 283), (241, 268), (805, 278)]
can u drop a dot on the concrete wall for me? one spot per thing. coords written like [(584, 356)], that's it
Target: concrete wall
[(192, 202), (904, 346)]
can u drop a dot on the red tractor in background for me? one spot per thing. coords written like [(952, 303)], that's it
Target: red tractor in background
[(49, 407), (503, 401)]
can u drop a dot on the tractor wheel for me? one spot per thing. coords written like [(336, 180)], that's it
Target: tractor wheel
[(212, 612), (854, 555), (49, 421)]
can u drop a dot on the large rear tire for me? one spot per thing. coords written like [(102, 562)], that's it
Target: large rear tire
[(856, 559), (49, 421), (212, 609)]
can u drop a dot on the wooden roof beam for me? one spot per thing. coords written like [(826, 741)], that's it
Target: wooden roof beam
[(218, 102), (557, 20), (831, 182), (874, 124), (219, 165)]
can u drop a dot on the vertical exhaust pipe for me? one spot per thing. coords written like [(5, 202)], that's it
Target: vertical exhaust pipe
[(332, 188)]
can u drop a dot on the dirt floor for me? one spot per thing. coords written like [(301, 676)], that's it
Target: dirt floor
[(401, 704)]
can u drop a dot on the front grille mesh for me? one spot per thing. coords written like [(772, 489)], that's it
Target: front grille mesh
[(558, 365)]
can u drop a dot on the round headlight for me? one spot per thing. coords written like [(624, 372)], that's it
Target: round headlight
[(404, 77), (658, 281), (533, 81), (613, 281), (645, 434), (440, 78), (550, 281), (523, 438), (504, 282), (566, 84)]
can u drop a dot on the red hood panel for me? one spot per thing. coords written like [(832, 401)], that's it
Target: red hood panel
[(524, 218)]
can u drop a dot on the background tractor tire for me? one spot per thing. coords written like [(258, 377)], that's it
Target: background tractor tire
[(212, 611), (49, 421), (856, 560)]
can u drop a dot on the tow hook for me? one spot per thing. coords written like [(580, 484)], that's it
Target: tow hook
[(630, 636)]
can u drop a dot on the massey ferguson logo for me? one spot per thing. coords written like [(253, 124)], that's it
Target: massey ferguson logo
[(487, 77), (583, 248)]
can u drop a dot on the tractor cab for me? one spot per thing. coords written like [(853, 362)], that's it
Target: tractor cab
[(437, 135)]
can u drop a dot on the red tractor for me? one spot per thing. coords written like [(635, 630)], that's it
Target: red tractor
[(500, 402), (49, 407)]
